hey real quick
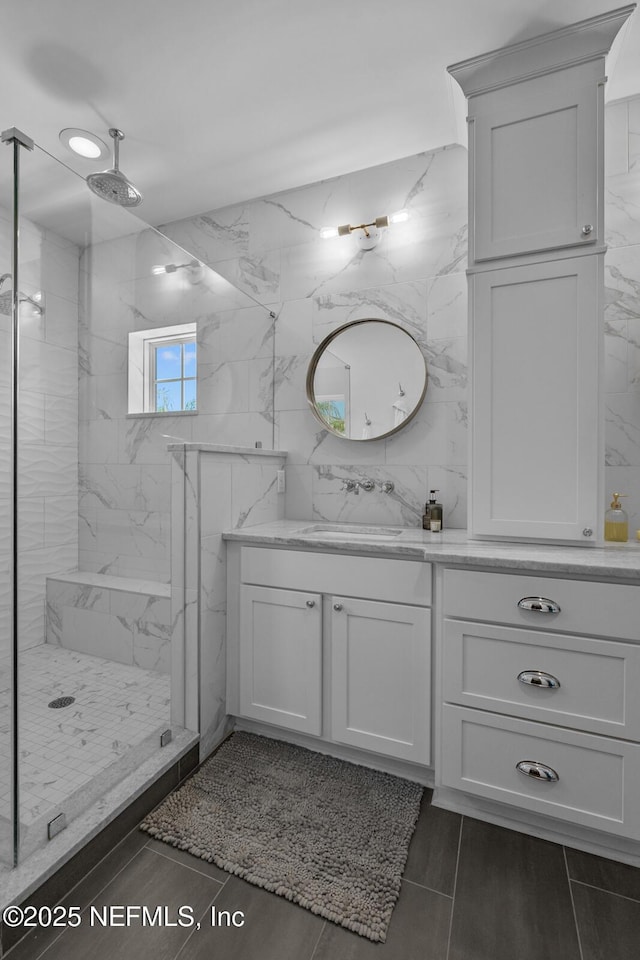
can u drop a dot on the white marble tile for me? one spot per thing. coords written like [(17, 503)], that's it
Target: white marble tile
[(633, 353), (99, 441), (403, 506), (97, 634), (261, 387), (616, 139), (32, 416), (300, 434), (50, 267), (256, 274), (126, 486), (152, 646), (634, 134), (31, 523), (47, 470), (401, 303), (223, 387), (447, 369), (213, 572), (240, 334), (213, 671), (622, 429), (61, 317), (616, 357), (622, 210), (293, 328), (215, 496), (48, 369), (254, 498), (133, 533), (299, 491), (622, 283), (143, 441), (61, 420), (241, 429), (447, 307), (290, 381)]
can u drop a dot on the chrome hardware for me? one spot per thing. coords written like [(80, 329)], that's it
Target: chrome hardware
[(366, 484), (538, 605), (311, 603), (337, 606), (387, 486), (537, 678), (349, 486), (587, 532), (537, 771), (586, 230)]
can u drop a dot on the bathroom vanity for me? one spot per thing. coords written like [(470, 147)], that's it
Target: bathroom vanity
[(504, 675)]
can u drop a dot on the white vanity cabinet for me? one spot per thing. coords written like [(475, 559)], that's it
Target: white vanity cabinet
[(538, 686), (280, 648), (334, 646)]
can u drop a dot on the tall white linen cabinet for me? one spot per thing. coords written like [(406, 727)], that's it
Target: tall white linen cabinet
[(536, 251)]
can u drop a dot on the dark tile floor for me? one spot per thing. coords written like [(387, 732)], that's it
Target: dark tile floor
[(471, 891)]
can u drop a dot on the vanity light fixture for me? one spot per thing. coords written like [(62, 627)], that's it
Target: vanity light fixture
[(195, 270), (83, 143), (370, 231)]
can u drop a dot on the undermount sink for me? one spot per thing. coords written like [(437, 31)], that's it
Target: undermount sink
[(347, 531)]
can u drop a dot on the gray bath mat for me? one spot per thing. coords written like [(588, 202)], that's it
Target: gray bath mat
[(326, 834)]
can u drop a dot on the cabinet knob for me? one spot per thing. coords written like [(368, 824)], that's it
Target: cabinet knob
[(587, 229), (537, 771), (538, 605), (337, 606), (311, 603), (538, 678), (587, 532)]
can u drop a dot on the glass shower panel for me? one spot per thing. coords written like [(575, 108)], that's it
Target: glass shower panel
[(6, 514)]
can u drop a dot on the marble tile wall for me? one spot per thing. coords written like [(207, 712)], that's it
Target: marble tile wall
[(271, 248), (47, 423), (125, 471), (622, 306), (213, 491)]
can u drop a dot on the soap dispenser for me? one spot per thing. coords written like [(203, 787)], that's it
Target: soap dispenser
[(432, 519), (616, 522)]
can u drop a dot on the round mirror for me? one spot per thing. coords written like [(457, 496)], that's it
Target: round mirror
[(366, 380)]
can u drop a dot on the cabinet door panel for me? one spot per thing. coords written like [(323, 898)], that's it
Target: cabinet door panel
[(536, 429), (536, 173), (380, 677), (280, 657)]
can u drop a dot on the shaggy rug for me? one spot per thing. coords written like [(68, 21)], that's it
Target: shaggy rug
[(326, 834)]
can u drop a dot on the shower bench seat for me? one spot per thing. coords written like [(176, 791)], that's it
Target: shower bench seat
[(124, 619)]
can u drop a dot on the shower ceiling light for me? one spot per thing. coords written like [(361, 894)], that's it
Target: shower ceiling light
[(83, 143), (368, 238)]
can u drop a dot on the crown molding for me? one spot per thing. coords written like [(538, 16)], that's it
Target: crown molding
[(578, 43)]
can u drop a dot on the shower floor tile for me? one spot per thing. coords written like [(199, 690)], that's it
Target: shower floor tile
[(116, 719)]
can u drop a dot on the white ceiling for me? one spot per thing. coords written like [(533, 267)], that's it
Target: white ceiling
[(225, 100)]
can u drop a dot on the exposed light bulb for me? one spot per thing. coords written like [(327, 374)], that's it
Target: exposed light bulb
[(158, 269), (400, 216), (328, 232)]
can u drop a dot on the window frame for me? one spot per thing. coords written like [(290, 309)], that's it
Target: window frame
[(142, 374), (151, 346)]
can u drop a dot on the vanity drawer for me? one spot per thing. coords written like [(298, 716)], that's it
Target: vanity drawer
[(375, 578), (598, 778), (592, 683), (600, 609)]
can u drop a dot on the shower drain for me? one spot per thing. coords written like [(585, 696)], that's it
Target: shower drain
[(61, 702)]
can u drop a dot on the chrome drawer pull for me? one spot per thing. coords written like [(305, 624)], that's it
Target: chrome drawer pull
[(537, 678), (538, 605), (311, 603), (537, 771)]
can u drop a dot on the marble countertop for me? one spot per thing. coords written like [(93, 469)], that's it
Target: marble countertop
[(618, 560)]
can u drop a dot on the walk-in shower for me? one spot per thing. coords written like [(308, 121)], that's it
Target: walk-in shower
[(86, 631)]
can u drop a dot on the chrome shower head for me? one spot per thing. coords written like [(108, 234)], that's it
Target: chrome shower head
[(112, 185)]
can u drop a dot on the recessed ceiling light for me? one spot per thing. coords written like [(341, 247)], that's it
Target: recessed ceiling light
[(83, 143)]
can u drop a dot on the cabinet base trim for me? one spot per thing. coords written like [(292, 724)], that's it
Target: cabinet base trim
[(535, 825), (399, 768)]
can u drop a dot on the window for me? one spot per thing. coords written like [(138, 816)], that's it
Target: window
[(163, 370)]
